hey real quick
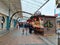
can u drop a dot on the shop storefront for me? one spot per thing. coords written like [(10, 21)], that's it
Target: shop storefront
[(44, 24)]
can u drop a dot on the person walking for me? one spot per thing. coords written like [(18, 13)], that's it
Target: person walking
[(17, 26), (23, 29), (26, 27), (30, 28)]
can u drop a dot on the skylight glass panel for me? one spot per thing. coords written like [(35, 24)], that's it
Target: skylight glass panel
[(26, 15), (32, 5)]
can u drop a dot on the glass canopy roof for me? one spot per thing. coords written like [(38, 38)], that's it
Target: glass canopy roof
[(31, 6)]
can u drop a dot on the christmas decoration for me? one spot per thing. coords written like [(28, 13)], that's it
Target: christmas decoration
[(40, 18), (48, 24)]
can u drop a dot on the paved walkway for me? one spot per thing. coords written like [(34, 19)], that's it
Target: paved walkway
[(51, 39), (2, 32), (15, 37)]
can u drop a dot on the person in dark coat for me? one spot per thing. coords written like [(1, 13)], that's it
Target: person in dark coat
[(26, 28), (30, 28)]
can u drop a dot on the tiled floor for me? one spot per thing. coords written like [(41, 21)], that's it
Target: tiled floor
[(16, 38)]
